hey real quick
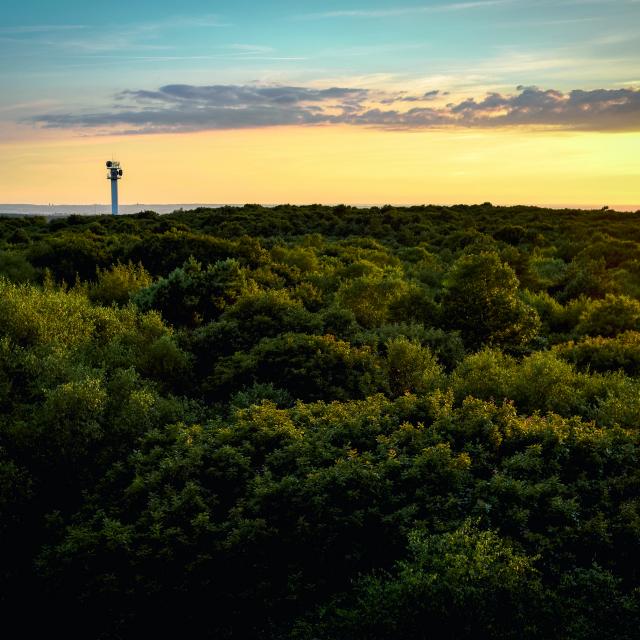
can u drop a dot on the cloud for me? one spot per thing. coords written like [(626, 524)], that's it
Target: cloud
[(184, 107), (599, 109), (40, 28), (120, 37), (238, 96), (403, 11), (250, 49)]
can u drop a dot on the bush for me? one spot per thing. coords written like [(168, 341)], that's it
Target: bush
[(369, 298), (308, 367), (609, 317), (117, 284), (411, 368), (467, 583), (480, 299), (16, 267), (191, 295), (488, 374), (604, 354)]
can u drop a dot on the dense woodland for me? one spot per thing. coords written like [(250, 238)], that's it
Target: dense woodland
[(322, 423)]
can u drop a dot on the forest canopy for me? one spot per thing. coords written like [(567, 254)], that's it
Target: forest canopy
[(298, 423)]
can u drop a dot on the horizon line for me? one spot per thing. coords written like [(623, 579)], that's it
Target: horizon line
[(182, 205)]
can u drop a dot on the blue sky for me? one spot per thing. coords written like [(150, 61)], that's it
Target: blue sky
[(77, 51), (70, 69)]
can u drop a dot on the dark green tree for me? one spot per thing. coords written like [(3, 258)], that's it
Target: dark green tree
[(481, 300)]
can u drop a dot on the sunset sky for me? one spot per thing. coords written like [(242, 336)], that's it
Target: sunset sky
[(512, 101)]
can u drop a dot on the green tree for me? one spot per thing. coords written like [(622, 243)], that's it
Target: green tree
[(609, 317), (16, 267), (118, 283), (411, 368), (308, 367), (191, 295), (468, 583), (370, 296), (481, 300)]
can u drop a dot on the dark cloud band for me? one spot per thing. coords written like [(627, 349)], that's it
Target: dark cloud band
[(181, 107)]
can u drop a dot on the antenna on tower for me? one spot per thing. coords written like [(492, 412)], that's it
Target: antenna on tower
[(114, 173)]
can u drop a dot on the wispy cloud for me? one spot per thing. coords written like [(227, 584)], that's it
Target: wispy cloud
[(616, 38), (30, 106), (125, 37), (184, 107), (550, 22), (250, 49), (40, 28), (403, 11)]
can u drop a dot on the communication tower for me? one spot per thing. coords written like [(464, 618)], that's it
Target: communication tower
[(114, 173)]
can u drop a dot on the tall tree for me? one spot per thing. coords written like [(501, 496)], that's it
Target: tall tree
[(481, 300)]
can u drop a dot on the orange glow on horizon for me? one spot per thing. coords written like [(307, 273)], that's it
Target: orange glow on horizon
[(330, 164)]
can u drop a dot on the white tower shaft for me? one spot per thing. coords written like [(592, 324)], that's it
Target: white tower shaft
[(114, 197)]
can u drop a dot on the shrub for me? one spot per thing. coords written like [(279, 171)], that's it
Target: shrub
[(610, 316), (117, 284), (411, 368), (604, 354), (480, 299)]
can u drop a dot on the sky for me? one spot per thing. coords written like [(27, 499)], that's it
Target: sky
[(362, 102)]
